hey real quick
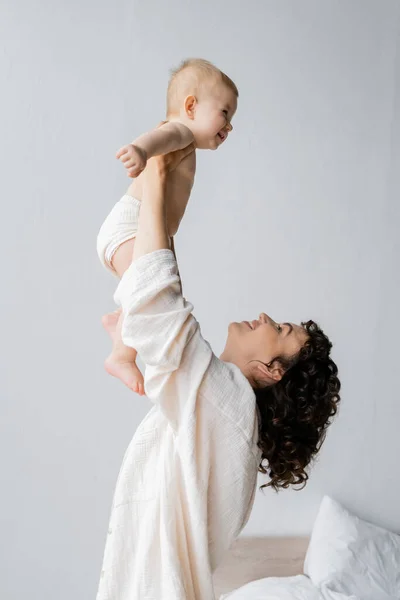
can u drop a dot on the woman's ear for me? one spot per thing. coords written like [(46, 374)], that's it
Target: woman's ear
[(272, 372), (276, 372), (190, 106)]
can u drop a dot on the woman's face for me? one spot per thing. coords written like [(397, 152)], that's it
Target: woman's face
[(261, 341)]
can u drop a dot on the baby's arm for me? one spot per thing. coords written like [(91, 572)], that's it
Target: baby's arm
[(167, 138)]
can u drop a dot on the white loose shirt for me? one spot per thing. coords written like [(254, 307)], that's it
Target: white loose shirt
[(189, 476)]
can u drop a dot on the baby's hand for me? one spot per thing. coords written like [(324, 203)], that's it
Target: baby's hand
[(133, 158)]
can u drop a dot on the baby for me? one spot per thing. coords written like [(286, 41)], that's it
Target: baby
[(201, 101)]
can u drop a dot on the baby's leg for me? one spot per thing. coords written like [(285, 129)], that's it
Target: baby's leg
[(121, 363), (115, 244)]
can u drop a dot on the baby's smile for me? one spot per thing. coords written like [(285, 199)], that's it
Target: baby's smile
[(222, 135)]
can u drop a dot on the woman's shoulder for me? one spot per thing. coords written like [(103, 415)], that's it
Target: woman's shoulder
[(230, 393)]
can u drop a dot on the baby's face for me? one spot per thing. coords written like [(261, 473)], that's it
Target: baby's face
[(214, 113)]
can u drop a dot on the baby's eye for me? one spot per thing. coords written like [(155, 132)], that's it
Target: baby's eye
[(225, 112), (279, 328)]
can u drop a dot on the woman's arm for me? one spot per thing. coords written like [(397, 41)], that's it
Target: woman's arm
[(152, 231), (158, 321)]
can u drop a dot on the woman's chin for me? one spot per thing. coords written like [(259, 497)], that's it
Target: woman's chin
[(235, 330)]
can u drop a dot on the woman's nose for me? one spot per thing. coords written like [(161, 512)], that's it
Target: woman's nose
[(266, 319)]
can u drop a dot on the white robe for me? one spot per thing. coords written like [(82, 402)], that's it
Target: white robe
[(188, 479)]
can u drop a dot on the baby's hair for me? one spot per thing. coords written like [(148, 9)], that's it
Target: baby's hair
[(189, 78)]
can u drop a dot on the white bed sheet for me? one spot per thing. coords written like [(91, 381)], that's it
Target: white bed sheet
[(276, 588)]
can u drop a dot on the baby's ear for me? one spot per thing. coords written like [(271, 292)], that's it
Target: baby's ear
[(190, 106)]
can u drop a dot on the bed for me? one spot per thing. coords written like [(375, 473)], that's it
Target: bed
[(346, 558)]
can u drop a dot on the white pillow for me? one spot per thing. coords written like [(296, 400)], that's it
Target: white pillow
[(276, 588), (349, 556)]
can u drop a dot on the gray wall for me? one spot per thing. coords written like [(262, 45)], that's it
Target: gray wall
[(298, 216)]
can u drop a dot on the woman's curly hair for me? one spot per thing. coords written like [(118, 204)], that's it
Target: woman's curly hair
[(295, 413)]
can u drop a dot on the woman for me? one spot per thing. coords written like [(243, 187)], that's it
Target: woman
[(188, 479)]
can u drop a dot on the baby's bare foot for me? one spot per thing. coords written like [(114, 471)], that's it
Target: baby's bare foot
[(126, 371), (121, 362)]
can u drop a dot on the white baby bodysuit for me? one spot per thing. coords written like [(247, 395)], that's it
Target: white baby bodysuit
[(189, 476)]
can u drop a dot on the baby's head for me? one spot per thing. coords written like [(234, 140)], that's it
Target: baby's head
[(204, 99)]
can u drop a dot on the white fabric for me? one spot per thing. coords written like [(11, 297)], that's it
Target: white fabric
[(119, 227), (276, 588), (189, 476), (350, 558), (347, 559)]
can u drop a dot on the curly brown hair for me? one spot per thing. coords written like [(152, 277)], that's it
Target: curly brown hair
[(295, 413)]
